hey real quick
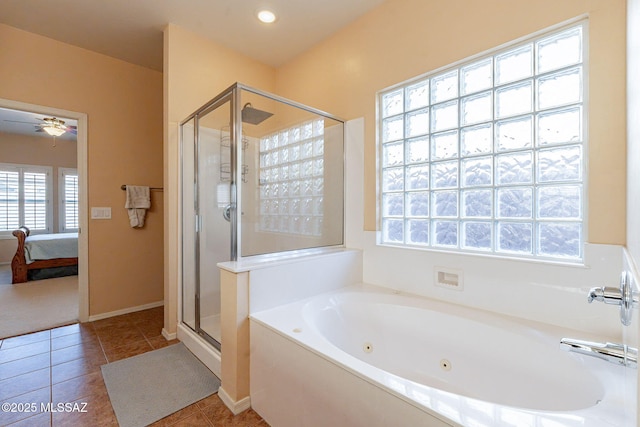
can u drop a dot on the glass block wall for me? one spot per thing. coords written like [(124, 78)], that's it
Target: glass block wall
[(488, 155), (292, 179)]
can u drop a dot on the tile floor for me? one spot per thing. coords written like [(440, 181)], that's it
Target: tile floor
[(63, 365)]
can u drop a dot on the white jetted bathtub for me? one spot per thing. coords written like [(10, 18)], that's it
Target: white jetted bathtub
[(363, 356)]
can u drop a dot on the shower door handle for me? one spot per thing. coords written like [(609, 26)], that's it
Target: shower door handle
[(226, 213)]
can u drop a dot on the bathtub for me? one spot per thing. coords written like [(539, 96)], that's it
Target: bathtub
[(364, 356)]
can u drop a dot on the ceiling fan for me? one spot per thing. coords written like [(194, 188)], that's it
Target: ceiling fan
[(55, 127), (51, 125)]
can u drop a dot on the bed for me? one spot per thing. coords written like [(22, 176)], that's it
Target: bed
[(43, 251)]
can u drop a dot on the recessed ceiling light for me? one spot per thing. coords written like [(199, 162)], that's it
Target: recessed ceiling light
[(266, 16)]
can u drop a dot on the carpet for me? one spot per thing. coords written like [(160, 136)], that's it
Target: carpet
[(5, 274), (150, 386), (34, 306)]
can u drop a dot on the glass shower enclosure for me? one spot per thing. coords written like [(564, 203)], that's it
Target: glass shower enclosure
[(260, 175)]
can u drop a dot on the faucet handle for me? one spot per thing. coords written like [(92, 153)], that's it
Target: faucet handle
[(624, 296), (605, 294), (596, 294)]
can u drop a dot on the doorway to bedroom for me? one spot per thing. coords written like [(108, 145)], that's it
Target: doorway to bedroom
[(42, 210)]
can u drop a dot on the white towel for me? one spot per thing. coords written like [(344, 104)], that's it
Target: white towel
[(138, 201)]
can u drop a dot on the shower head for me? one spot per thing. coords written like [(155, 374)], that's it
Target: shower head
[(253, 115)]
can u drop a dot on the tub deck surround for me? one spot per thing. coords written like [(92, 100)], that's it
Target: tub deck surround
[(279, 259), (258, 283), (399, 358), (291, 276), (554, 293)]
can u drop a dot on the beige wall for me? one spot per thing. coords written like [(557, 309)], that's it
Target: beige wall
[(195, 71), (124, 107), (402, 39), (36, 150)]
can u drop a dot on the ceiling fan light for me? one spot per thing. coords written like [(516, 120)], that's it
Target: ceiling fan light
[(53, 126), (53, 130)]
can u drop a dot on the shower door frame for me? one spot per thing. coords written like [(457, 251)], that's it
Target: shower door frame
[(236, 174), (218, 101), (232, 95)]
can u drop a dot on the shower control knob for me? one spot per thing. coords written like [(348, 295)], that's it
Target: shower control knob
[(624, 296), (605, 294)]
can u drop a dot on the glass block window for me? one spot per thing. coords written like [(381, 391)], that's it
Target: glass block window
[(488, 156), (25, 198), (292, 180), (68, 195)]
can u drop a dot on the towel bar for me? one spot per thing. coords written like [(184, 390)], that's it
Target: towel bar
[(124, 187)]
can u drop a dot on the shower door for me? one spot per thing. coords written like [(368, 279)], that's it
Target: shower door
[(206, 183)]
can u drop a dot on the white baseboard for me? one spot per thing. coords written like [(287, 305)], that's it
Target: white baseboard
[(126, 311), (235, 407), (169, 336)]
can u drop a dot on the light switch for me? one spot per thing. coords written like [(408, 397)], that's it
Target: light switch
[(100, 213)]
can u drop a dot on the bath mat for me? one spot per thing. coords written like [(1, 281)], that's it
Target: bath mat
[(150, 386)]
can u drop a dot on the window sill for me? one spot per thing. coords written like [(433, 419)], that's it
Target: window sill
[(578, 263)]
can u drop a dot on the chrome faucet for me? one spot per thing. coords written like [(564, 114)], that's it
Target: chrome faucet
[(618, 354), (622, 296)]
